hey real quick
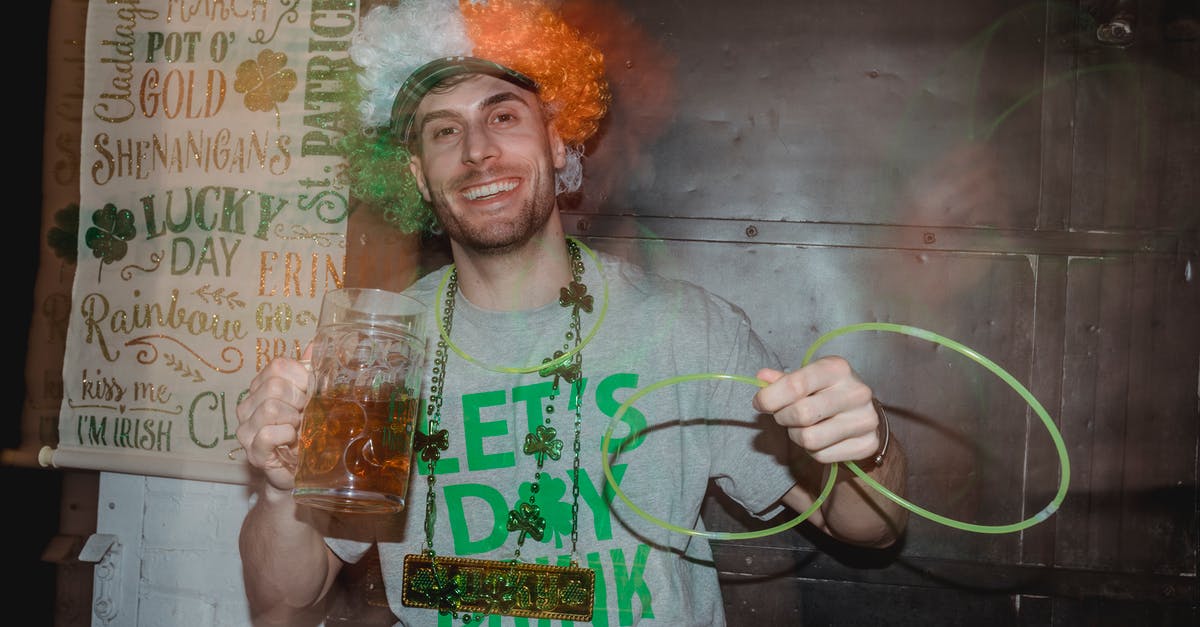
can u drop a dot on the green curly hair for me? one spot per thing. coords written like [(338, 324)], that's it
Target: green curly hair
[(377, 171)]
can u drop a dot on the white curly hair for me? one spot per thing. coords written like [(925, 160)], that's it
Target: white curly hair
[(393, 41)]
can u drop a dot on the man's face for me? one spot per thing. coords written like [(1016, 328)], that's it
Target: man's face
[(487, 161)]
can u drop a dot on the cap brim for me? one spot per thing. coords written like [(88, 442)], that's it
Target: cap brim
[(428, 76)]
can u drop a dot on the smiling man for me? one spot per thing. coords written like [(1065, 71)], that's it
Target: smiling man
[(540, 342), (485, 158)]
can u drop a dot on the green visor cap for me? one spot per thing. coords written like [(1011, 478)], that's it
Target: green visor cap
[(431, 74)]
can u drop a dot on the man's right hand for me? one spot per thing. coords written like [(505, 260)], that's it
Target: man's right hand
[(269, 419)]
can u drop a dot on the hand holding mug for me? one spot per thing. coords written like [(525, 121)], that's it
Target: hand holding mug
[(350, 412)]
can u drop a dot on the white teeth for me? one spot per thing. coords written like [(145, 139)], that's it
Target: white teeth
[(475, 193)]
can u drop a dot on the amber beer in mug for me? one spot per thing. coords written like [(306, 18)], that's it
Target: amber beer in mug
[(355, 443)]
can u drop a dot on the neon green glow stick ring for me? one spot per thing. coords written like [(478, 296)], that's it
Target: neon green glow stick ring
[(1046, 512), (1064, 460), (560, 360), (715, 535)]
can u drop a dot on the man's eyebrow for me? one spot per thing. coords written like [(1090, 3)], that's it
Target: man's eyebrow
[(494, 99), (432, 116), (503, 96)]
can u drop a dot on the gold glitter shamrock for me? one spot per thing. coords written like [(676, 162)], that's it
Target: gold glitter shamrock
[(113, 228), (543, 444), (265, 81), (431, 446), (527, 519), (575, 295), (63, 237)]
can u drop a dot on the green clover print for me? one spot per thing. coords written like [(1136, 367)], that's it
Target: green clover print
[(113, 228), (63, 237)]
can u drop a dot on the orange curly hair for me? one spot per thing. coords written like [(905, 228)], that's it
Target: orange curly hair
[(530, 38)]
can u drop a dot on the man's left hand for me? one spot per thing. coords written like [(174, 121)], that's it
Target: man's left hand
[(825, 407)]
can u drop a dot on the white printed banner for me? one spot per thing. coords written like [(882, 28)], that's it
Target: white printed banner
[(212, 217)]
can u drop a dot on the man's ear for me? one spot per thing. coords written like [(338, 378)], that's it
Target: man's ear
[(558, 149), (414, 166)]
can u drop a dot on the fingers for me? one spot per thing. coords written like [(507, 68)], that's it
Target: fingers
[(826, 408), (815, 392), (262, 429), (264, 443), (283, 379), (291, 391), (281, 367), (269, 415), (850, 435)]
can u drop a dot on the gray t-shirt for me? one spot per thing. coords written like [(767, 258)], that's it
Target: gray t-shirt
[(672, 442)]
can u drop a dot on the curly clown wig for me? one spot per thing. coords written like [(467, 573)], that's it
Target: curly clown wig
[(406, 49)]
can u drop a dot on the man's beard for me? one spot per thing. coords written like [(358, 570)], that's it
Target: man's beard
[(494, 237)]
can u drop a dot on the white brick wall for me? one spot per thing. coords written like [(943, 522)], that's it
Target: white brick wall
[(178, 560)]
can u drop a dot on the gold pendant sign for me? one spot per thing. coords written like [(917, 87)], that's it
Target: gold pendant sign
[(456, 584)]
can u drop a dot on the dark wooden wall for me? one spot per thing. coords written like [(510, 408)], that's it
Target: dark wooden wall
[(992, 171)]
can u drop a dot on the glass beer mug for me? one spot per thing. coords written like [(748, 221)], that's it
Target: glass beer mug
[(356, 433)]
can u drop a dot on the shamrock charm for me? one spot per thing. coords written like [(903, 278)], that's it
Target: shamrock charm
[(527, 519), (543, 443), (430, 446), (575, 295), (568, 370)]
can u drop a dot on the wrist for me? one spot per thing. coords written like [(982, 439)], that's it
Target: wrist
[(275, 496), (883, 431)]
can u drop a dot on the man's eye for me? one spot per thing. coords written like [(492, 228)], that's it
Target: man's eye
[(444, 131), (504, 117)]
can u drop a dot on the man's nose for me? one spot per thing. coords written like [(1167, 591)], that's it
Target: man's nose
[(479, 145)]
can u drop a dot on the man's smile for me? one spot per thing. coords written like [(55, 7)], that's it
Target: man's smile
[(489, 189)]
